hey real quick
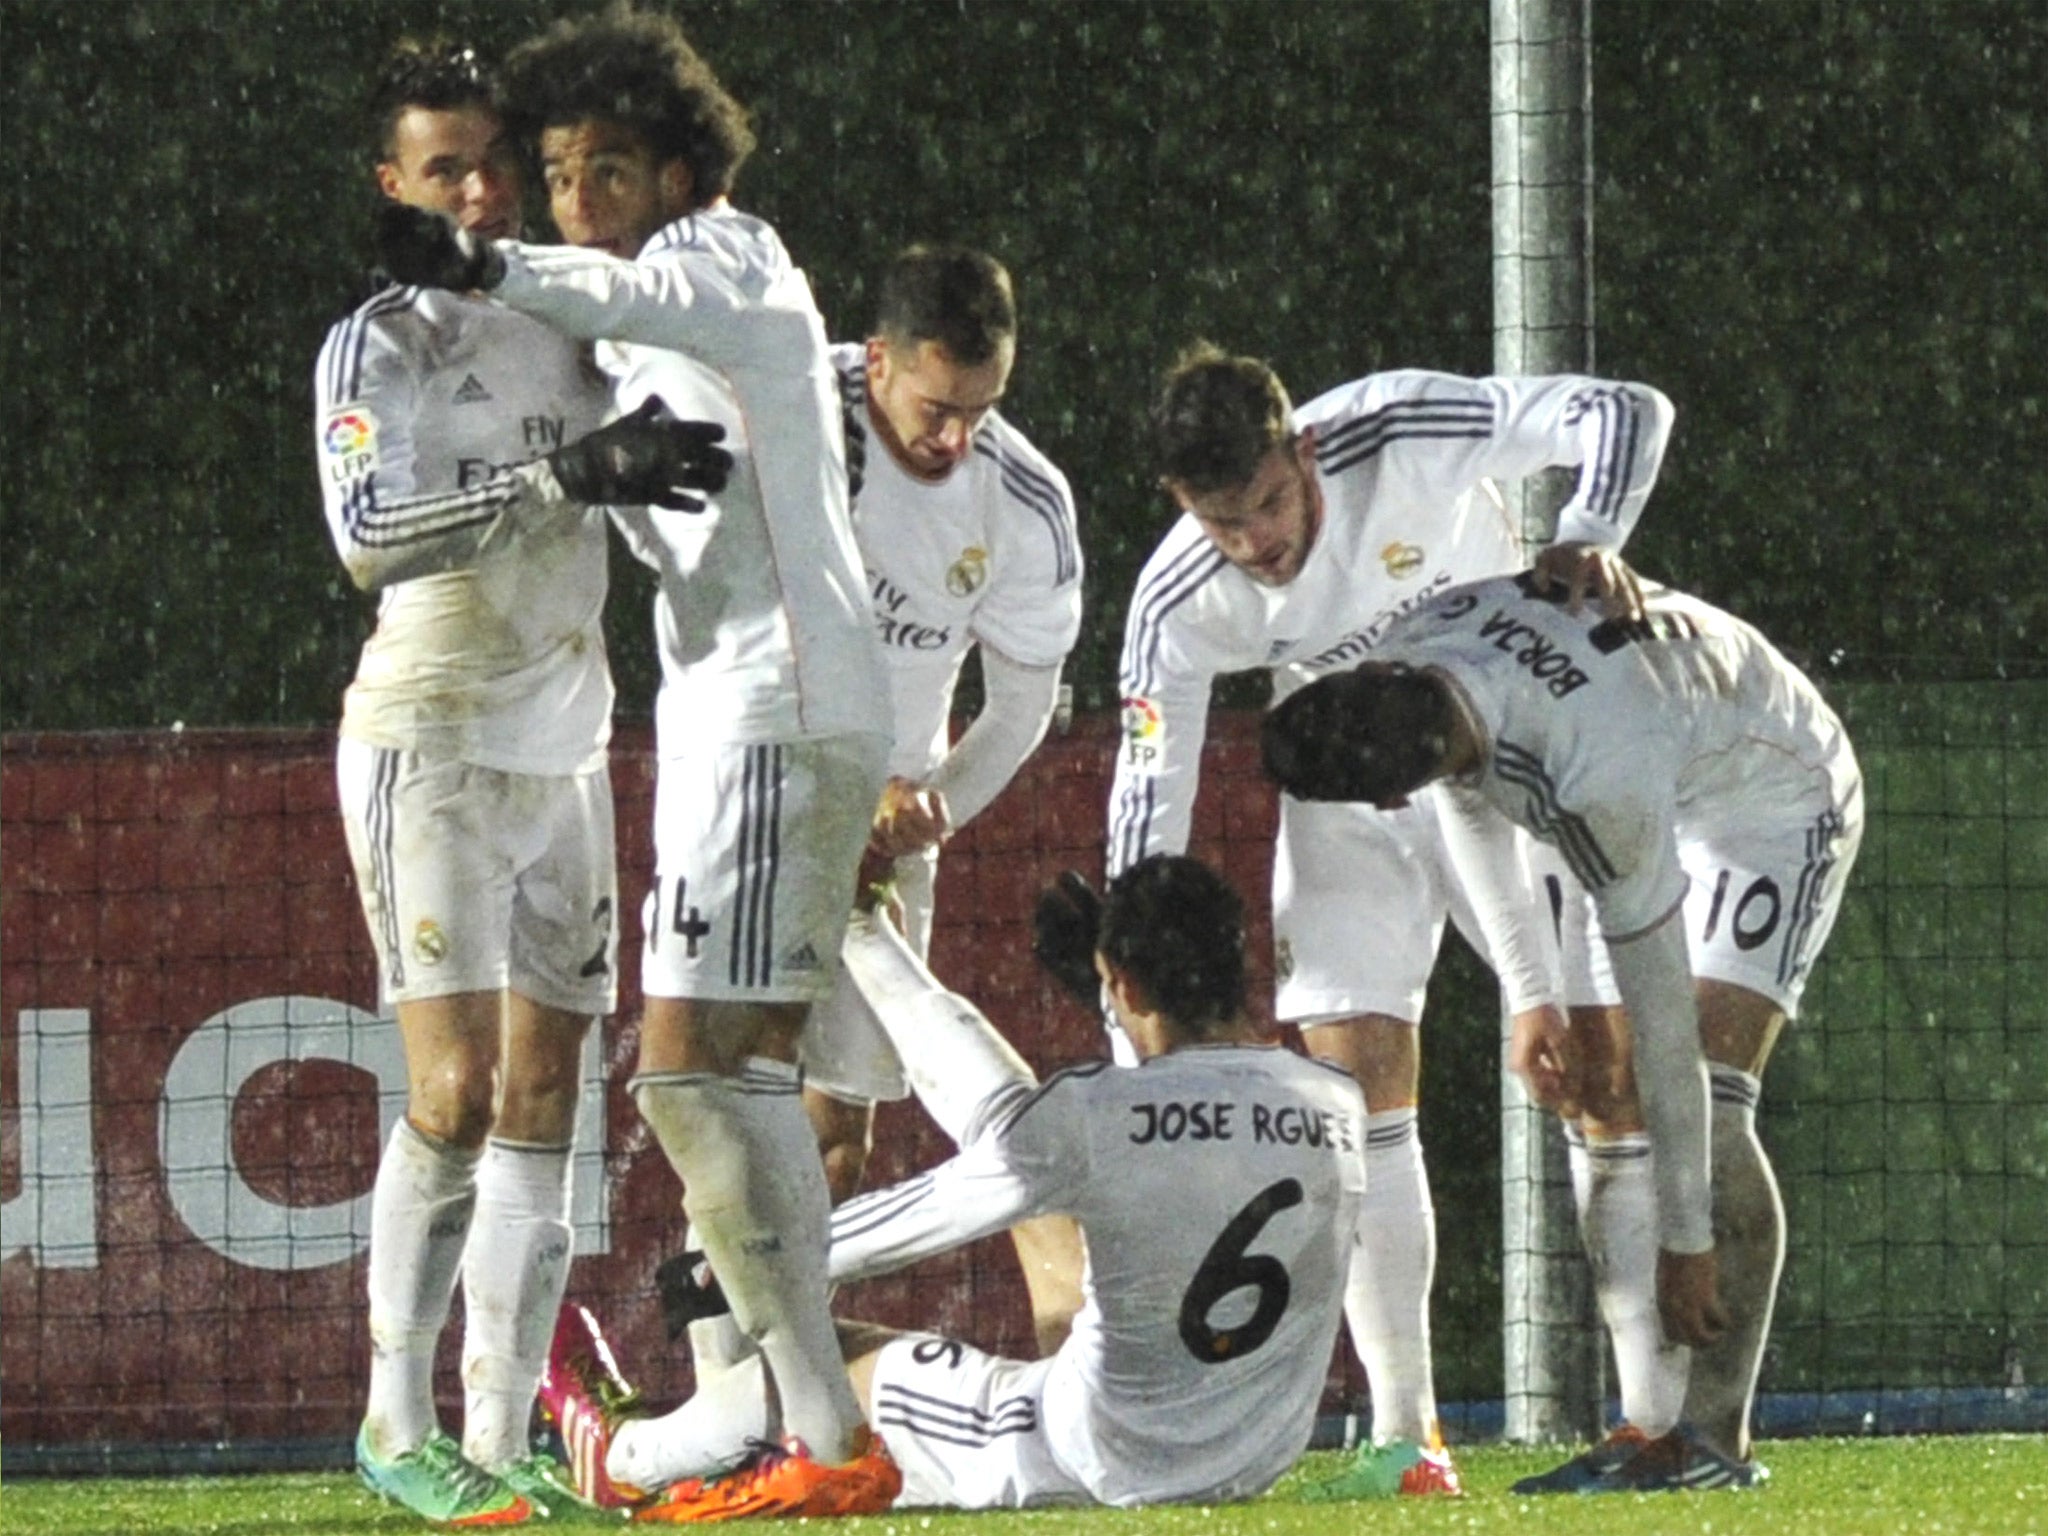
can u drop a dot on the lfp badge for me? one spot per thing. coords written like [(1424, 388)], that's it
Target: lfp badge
[(349, 442), (1144, 735)]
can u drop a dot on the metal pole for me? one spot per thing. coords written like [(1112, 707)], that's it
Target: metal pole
[(1543, 323)]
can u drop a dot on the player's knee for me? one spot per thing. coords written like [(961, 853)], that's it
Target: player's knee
[(539, 1101), (456, 1103)]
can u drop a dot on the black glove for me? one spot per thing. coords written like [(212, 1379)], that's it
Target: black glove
[(431, 250), (1063, 932), (647, 458), (688, 1291)]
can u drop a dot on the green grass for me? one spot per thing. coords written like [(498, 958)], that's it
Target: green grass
[(1984, 1485)]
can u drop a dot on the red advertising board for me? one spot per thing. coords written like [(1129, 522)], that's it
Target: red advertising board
[(196, 1082)]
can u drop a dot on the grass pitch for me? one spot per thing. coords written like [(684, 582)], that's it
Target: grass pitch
[(1980, 1485)]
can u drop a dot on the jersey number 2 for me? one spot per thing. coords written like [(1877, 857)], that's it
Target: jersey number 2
[(1227, 1268)]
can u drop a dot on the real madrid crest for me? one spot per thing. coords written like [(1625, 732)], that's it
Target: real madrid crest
[(1402, 560), (429, 943), (969, 573)]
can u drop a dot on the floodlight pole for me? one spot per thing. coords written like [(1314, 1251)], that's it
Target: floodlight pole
[(1543, 323)]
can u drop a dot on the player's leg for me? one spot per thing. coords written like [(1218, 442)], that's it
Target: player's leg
[(756, 853), (892, 1024), (1738, 1027), (1764, 895), (845, 1129), (967, 1428), (434, 893), (516, 1262), (1387, 1299), (1358, 907), (563, 966), (421, 1207)]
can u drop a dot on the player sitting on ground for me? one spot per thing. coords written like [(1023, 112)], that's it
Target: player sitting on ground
[(1711, 805), (1217, 1189)]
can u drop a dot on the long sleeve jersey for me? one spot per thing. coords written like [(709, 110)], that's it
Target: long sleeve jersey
[(1402, 459), (988, 556), (762, 615), (1217, 1191), (432, 413), (1618, 742)]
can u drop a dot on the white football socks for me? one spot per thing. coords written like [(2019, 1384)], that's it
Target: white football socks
[(1386, 1296), (419, 1217), (710, 1432), (1614, 1187), (954, 1059), (755, 1189), (1749, 1249), (514, 1270)]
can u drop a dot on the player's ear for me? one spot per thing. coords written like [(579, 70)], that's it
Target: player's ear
[(1305, 448), (678, 185), (389, 180)]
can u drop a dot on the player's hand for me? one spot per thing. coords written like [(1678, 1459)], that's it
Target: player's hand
[(648, 458), (1689, 1298), (911, 818), (874, 889), (1587, 570), (1540, 1054), (431, 250), (1064, 927)]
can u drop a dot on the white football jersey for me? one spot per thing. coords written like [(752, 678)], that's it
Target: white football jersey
[(1615, 741), (1401, 459), (1217, 1190), (762, 617), (488, 647), (988, 555)]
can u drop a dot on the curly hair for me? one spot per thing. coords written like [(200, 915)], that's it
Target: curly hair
[(1176, 928), (957, 297), (434, 73), (637, 70), (1216, 417)]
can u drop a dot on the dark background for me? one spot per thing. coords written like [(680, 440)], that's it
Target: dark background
[(1819, 228)]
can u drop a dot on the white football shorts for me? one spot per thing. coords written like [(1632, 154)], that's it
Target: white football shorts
[(756, 849), (966, 1428), (1359, 901), (1764, 887), (476, 880), (844, 1050)]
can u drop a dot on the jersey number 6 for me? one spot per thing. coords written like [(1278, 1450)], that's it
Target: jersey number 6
[(1227, 1268)]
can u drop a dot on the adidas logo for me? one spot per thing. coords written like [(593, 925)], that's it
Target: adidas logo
[(802, 958), (471, 391)]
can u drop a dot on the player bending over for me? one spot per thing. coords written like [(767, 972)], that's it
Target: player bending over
[(968, 535), (459, 460), (1217, 1189), (1710, 803), (1304, 533)]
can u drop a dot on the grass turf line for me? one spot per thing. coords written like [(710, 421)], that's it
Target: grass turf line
[(1965, 1485)]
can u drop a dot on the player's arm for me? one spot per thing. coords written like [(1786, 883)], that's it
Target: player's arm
[(1165, 678), (386, 530), (1488, 858), (1025, 625), (1642, 910), (724, 315), (1027, 1161), (1017, 709)]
